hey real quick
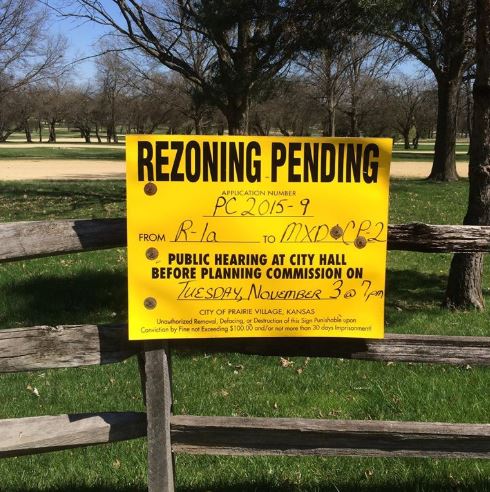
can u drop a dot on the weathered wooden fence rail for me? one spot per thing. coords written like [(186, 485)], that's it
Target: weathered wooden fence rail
[(249, 436), (43, 347), (48, 347), (24, 240)]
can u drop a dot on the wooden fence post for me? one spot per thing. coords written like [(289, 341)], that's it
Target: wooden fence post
[(158, 392)]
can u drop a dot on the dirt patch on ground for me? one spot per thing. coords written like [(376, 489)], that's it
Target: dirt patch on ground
[(421, 169), (22, 169)]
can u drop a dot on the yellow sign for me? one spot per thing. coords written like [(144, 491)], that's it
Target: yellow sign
[(256, 236)]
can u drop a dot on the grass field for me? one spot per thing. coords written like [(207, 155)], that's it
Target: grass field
[(425, 151), (411, 155), (61, 133), (428, 145), (8, 153), (90, 287), (66, 152)]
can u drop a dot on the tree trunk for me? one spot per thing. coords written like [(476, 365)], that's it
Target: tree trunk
[(40, 128), (52, 132), (415, 141), (332, 115), (444, 164), (469, 115), (406, 139), (27, 130), (329, 126), (235, 117), (197, 125), (464, 288), (97, 133), (354, 123), (354, 113)]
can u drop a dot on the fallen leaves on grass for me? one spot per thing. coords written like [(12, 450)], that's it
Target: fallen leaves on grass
[(236, 367), (33, 390), (285, 362)]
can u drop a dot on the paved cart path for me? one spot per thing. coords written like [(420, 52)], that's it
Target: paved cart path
[(31, 169)]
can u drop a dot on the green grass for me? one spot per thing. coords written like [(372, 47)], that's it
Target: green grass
[(7, 153), (428, 145), (64, 151), (61, 133), (91, 287), (422, 156)]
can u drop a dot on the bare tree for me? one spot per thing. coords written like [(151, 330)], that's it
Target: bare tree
[(27, 110), (80, 115), (194, 106), (112, 79), (426, 115), (11, 117), (368, 60), (464, 289), (440, 34), (292, 109), (409, 96), (467, 109), (55, 104), (327, 69), (245, 44), (27, 56)]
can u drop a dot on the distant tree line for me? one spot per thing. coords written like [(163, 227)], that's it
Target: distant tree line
[(342, 94)]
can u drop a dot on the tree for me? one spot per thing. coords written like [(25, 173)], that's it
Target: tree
[(440, 34), (408, 97), (426, 114), (80, 101), (464, 287), (295, 119), (193, 105), (27, 56), (245, 44), (11, 117), (54, 104), (27, 110), (112, 79), (368, 60), (327, 70)]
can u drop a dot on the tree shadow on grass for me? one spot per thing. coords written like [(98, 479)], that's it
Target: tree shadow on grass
[(59, 198), (99, 190), (86, 297), (415, 287), (410, 291)]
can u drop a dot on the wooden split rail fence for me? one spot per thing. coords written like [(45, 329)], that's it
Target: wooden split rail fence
[(43, 347)]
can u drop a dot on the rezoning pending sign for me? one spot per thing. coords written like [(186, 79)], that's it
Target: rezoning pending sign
[(256, 236)]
